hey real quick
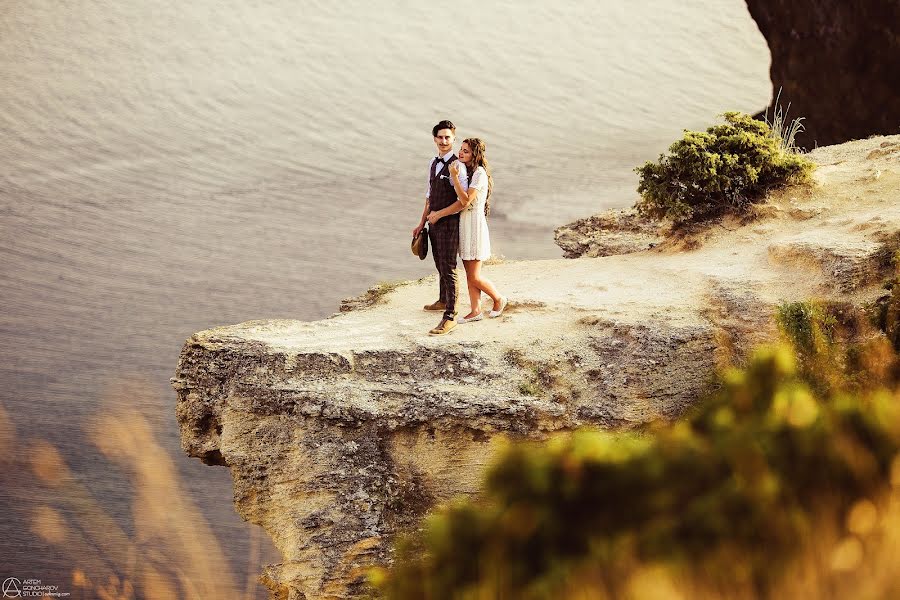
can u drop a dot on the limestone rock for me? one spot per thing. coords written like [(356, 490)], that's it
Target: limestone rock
[(342, 432), (619, 231)]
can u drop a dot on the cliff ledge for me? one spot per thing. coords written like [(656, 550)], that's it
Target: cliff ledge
[(341, 432)]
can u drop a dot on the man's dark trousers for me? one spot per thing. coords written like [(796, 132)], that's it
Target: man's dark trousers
[(444, 237)]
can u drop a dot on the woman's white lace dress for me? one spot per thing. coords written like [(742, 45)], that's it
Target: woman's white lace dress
[(474, 240)]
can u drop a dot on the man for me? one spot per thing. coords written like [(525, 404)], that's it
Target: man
[(443, 235)]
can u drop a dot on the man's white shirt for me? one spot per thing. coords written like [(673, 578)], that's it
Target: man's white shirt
[(438, 166)]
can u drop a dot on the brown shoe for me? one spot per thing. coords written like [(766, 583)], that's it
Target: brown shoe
[(436, 306), (443, 327)]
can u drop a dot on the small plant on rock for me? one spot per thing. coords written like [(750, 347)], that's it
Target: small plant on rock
[(784, 131)]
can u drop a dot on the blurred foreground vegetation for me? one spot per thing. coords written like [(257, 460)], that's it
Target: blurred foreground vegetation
[(785, 483), (166, 550)]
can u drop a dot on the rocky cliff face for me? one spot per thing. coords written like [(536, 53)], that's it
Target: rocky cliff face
[(838, 62), (342, 432)]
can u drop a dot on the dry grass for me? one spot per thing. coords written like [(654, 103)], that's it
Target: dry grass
[(783, 130), (169, 550), (374, 295)]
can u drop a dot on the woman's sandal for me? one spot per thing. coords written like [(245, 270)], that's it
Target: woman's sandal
[(477, 317), (496, 313)]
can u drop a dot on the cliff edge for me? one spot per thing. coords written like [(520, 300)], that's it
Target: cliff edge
[(340, 433)]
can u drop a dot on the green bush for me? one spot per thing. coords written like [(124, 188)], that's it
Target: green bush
[(730, 496), (808, 325), (725, 169), (839, 347)]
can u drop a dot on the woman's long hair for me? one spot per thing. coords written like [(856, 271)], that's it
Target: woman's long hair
[(477, 146)]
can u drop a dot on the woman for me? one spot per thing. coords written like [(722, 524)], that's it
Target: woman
[(474, 240)]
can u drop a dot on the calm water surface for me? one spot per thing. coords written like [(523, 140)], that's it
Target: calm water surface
[(166, 167)]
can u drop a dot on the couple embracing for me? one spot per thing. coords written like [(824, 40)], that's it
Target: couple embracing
[(456, 207)]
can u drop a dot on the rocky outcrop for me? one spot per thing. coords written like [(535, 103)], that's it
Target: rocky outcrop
[(617, 231), (837, 63), (343, 432)]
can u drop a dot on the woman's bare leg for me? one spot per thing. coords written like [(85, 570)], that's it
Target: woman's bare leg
[(474, 291), (473, 277)]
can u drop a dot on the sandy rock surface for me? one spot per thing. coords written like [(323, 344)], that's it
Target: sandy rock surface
[(341, 432)]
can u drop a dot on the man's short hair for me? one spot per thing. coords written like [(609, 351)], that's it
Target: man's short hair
[(445, 124)]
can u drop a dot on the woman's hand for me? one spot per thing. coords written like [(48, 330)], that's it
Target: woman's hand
[(454, 168), (434, 217)]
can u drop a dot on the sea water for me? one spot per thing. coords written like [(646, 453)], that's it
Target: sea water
[(167, 166)]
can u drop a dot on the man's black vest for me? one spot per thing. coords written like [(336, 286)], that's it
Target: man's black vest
[(441, 193)]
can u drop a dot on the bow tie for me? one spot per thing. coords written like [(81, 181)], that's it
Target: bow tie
[(440, 160)]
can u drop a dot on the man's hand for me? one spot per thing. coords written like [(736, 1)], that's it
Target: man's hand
[(433, 217), (454, 167), (418, 229)]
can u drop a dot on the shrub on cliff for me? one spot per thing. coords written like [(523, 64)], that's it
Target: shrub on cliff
[(841, 348), (764, 475), (725, 169)]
